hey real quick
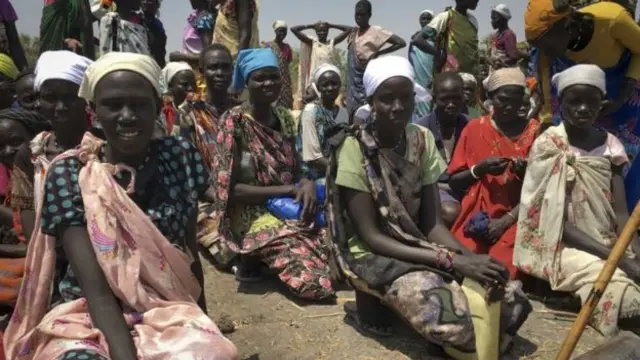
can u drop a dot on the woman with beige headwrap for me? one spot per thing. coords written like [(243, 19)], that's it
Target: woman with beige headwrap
[(124, 206), (487, 168), (285, 55)]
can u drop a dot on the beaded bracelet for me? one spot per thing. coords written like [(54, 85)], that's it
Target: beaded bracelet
[(444, 259)]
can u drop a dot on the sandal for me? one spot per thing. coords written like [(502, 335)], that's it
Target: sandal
[(369, 316)]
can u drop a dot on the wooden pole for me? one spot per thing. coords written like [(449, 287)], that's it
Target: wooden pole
[(610, 266)]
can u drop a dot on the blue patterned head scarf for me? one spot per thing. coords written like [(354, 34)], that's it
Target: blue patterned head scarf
[(250, 60)]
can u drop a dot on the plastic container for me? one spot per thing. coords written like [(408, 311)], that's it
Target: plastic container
[(287, 208), (486, 323)]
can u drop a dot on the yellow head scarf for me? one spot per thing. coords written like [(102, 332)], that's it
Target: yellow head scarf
[(7, 67), (117, 61), (541, 15)]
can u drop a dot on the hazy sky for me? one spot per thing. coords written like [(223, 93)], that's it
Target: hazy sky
[(399, 16)]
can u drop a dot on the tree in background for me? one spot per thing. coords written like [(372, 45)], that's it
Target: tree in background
[(31, 46)]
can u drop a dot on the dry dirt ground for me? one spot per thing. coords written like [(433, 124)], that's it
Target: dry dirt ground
[(270, 325)]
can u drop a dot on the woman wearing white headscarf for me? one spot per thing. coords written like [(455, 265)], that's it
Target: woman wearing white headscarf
[(318, 117), (176, 81), (126, 205), (56, 86), (283, 51), (391, 241), (573, 207)]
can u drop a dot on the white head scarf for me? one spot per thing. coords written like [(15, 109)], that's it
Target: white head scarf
[(468, 78), (583, 74), (426, 11), (60, 65), (505, 77), (381, 69), (169, 71), (118, 61), (503, 10), (278, 24), (319, 71)]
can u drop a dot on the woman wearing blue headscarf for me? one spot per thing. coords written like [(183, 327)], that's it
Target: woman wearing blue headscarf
[(254, 159)]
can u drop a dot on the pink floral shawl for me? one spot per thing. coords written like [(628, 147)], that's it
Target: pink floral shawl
[(146, 273)]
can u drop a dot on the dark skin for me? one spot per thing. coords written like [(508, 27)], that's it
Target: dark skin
[(328, 85), (264, 88), (581, 105), (127, 8), (7, 90), (500, 23), (12, 137), (181, 84), (60, 103), (393, 103), (25, 93), (322, 32), (281, 34), (470, 91), (507, 102), (422, 43), (574, 33), (425, 19), (449, 102), (362, 17), (243, 9), (126, 104)]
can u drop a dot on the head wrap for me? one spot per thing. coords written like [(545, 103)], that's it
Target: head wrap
[(426, 12), (279, 24), (8, 68), (503, 10), (583, 74), (319, 71), (117, 61), (504, 77), (60, 65), (250, 60), (31, 120), (381, 69), (541, 15), (468, 78), (170, 70)]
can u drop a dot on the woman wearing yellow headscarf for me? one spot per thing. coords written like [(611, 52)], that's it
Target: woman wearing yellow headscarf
[(602, 34), (237, 25), (8, 73)]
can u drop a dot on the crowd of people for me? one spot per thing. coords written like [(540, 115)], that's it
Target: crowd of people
[(429, 174)]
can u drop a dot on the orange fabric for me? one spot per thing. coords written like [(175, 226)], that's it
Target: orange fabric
[(496, 195), (540, 16), (12, 272)]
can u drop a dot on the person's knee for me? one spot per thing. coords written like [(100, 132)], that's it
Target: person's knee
[(449, 211)]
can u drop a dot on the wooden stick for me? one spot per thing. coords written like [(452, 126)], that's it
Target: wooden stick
[(610, 266)]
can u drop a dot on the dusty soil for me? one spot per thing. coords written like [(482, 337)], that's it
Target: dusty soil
[(271, 325)]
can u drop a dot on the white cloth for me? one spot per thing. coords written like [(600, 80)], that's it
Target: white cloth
[(441, 21), (319, 71), (504, 77), (279, 24), (426, 11), (468, 78), (583, 74), (60, 65), (383, 68), (118, 61), (169, 71), (503, 10)]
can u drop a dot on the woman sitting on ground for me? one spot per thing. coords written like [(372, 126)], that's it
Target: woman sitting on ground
[(385, 175), (17, 128), (57, 88), (99, 210), (199, 124), (487, 169), (318, 118), (254, 159), (177, 80), (573, 205)]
